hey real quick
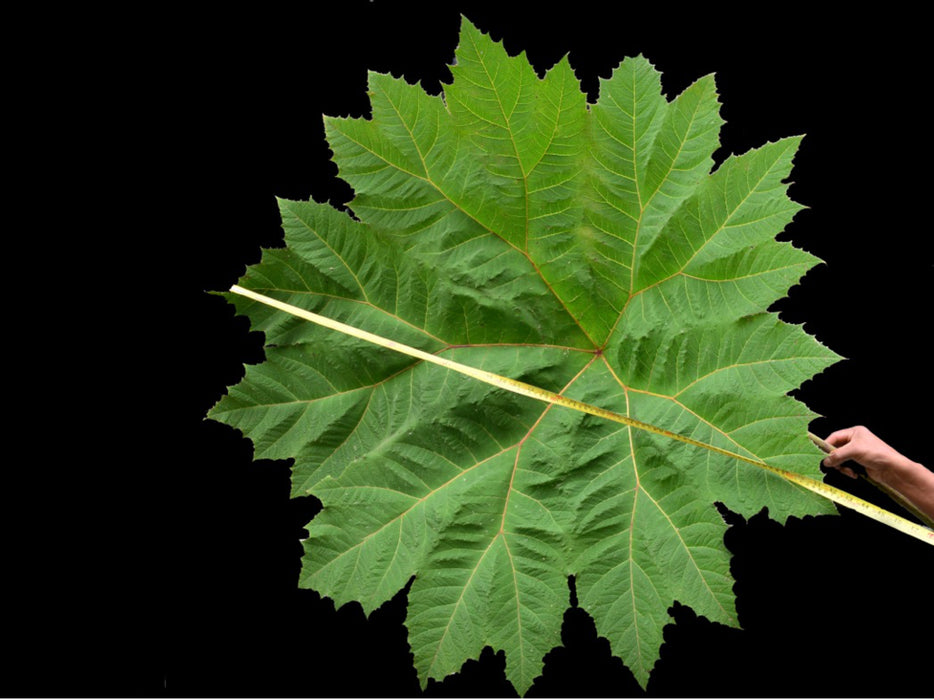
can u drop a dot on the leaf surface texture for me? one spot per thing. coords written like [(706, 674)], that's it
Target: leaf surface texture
[(591, 250)]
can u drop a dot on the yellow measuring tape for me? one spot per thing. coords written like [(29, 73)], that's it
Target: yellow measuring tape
[(834, 494)]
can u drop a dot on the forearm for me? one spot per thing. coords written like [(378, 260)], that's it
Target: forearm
[(913, 481)]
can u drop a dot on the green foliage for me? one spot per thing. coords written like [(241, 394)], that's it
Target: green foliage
[(586, 249)]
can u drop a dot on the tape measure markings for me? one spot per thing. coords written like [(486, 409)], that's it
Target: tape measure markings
[(523, 389)]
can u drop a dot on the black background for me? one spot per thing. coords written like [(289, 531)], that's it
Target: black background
[(830, 606)]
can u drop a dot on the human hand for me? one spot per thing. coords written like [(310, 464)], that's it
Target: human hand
[(911, 480), (860, 445)]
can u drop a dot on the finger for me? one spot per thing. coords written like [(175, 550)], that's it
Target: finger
[(840, 455), (840, 437), (843, 470)]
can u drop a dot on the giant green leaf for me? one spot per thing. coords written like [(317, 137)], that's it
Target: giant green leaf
[(589, 249)]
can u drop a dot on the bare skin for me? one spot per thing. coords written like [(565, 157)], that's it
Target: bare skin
[(883, 464)]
